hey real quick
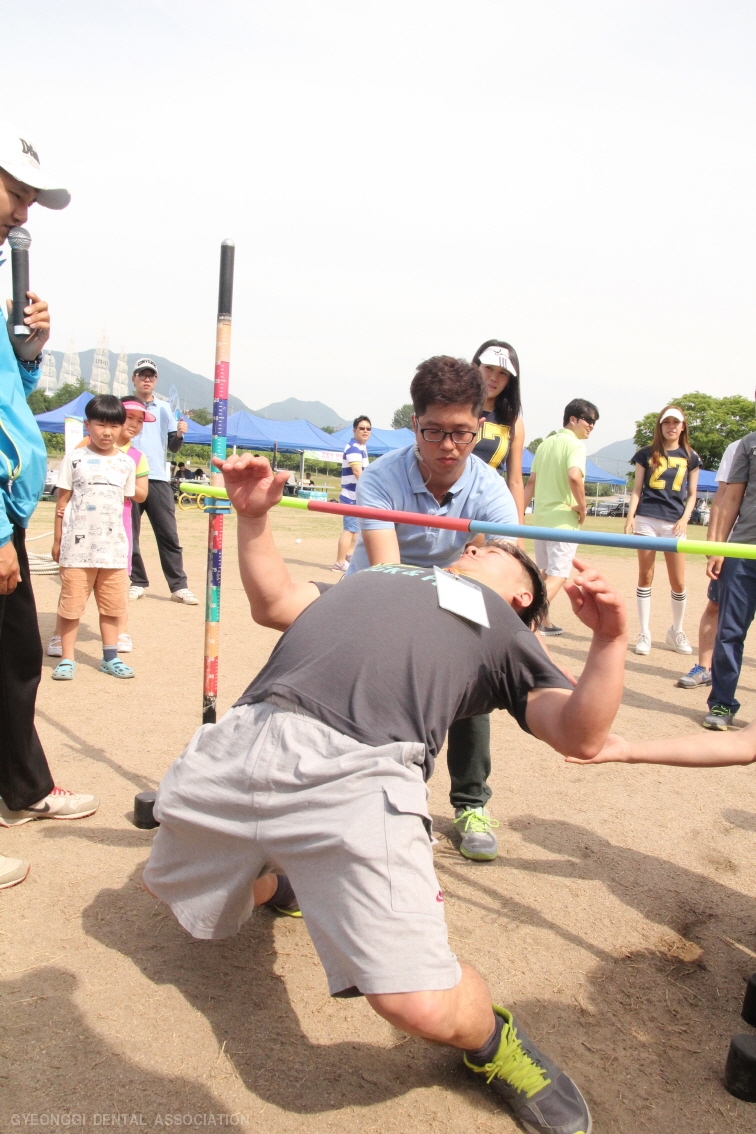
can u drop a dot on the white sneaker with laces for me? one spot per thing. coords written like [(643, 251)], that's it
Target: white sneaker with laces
[(643, 644), (54, 648), (677, 641), (12, 871), (125, 645), (59, 804), (136, 592), (185, 596)]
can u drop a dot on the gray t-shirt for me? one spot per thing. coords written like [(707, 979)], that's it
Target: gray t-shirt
[(377, 659), (743, 471)]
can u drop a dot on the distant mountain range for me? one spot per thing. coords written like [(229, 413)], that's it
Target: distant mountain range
[(293, 408), (196, 391), (615, 458)]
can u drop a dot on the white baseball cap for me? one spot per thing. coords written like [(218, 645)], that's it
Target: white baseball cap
[(672, 411), (498, 356), (19, 158), (144, 364)]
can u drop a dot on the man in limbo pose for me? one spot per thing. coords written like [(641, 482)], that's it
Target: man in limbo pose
[(323, 778)]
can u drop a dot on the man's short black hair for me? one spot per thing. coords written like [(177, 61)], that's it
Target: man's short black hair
[(447, 381), (362, 417), (535, 614), (579, 408), (105, 408)]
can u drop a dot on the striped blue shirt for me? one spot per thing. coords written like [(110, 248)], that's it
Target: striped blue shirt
[(354, 454)]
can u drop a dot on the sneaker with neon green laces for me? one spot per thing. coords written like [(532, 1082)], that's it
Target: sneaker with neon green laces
[(478, 840), (542, 1097)]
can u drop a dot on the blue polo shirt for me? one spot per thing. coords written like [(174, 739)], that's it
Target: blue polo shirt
[(395, 481), (153, 440)]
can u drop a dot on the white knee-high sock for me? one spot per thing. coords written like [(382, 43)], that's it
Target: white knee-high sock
[(643, 598), (678, 609)]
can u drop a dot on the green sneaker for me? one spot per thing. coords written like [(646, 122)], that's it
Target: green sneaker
[(719, 718), (478, 840), (542, 1097)]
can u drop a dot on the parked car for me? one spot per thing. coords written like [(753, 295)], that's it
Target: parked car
[(620, 510), (600, 510)]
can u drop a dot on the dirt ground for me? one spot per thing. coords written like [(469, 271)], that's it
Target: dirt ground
[(619, 921)]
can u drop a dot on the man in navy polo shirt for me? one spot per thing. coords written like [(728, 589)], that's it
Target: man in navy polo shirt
[(164, 433), (440, 476)]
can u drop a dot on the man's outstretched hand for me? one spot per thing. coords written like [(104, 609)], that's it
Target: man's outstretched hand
[(596, 603), (253, 488)]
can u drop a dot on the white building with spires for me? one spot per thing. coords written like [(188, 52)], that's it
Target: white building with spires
[(99, 381), (49, 380), (70, 371), (121, 380)]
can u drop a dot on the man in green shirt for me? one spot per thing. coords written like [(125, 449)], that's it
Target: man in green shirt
[(557, 480)]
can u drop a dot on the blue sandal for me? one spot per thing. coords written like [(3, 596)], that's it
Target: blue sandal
[(116, 668), (64, 670)]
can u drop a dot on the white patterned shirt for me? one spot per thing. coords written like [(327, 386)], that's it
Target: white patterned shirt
[(93, 532)]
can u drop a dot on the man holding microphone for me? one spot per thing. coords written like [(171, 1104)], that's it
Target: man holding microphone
[(27, 789)]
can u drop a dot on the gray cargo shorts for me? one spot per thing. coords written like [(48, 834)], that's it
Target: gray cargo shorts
[(270, 787)]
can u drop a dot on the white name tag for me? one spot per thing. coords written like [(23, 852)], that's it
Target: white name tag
[(461, 596)]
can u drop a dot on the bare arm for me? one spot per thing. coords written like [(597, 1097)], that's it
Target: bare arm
[(577, 723), (690, 503), (381, 545), (514, 468), (726, 516), (640, 476), (695, 750), (577, 485), (716, 504), (529, 491), (253, 489), (64, 495), (142, 487), (357, 470)]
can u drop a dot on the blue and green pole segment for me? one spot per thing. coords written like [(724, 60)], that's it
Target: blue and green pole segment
[(513, 531), (217, 512)]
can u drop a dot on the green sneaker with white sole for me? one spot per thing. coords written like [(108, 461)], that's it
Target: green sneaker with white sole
[(541, 1096)]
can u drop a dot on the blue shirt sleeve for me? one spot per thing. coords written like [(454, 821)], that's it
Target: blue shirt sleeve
[(498, 506), (373, 492), (6, 527)]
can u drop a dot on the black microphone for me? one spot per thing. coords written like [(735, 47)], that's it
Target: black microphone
[(19, 240)]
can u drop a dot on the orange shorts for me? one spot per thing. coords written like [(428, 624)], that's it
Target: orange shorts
[(110, 585)]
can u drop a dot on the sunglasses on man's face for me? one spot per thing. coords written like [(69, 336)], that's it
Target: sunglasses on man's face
[(588, 420)]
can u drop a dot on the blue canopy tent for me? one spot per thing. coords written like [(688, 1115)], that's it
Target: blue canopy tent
[(381, 440), (247, 431), (54, 420), (593, 474)]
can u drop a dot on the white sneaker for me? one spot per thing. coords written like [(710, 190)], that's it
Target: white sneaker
[(136, 592), (340, 567), (125, 645), (185, 596), (54, 648), (677, 641), (59, 804), (643, 645), (12, 871)]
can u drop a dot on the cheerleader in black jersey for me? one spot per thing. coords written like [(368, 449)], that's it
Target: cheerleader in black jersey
[(666, 477)]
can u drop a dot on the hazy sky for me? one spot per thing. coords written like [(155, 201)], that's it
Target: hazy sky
[(402, 179)]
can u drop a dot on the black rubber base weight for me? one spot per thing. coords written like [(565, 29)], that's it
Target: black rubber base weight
[(740, 1069), (749, 1002), (143, 804)]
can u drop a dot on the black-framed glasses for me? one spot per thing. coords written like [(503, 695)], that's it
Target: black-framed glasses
[(458, 436)]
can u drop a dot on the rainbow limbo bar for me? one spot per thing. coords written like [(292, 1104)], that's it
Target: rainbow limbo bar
[(525, 531), (218, 449)]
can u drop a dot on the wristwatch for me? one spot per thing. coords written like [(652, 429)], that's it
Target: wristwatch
[(31, 364)]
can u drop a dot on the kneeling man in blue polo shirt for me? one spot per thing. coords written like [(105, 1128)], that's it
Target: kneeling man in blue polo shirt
[(439, 476)]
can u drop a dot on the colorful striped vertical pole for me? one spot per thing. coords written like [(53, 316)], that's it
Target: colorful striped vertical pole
[(216, 514)]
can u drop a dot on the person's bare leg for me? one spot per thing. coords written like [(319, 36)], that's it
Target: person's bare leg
[(69, 628), (461, 1016), (109, 630), (707, 633), (347, 540), (554, 584)]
